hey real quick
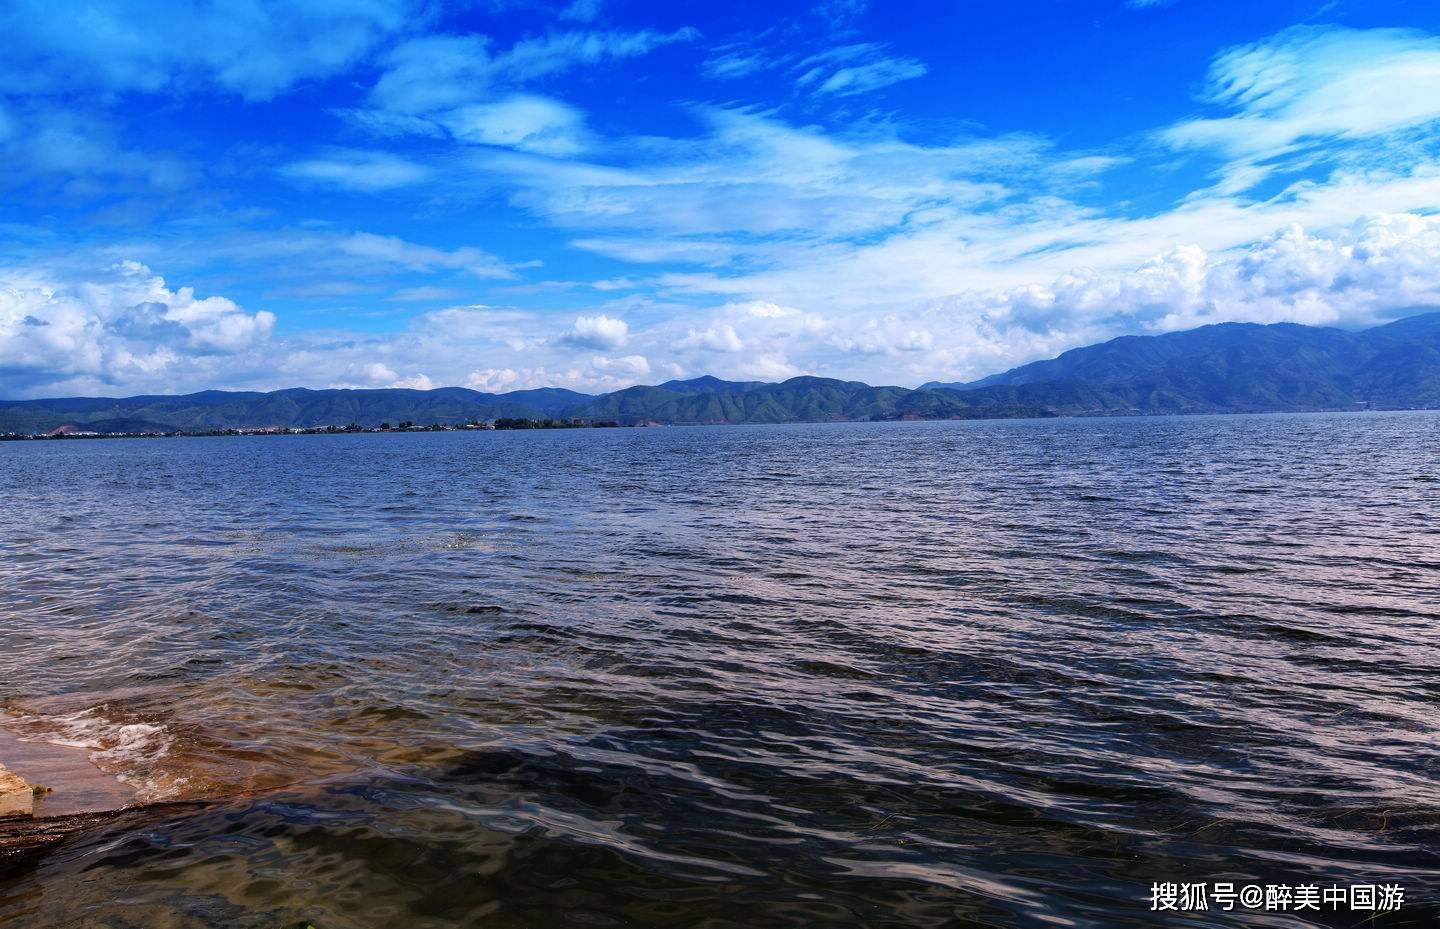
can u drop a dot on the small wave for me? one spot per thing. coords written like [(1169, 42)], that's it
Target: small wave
[(134, 753)]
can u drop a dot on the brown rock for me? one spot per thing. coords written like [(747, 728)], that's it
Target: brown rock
[(16, 797)]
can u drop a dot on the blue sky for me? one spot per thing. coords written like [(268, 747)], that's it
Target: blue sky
[(598, 193)]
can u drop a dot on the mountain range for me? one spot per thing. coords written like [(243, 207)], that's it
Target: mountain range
[(1222, 368)]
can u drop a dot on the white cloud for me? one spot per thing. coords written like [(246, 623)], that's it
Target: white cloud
[(642, 250), (532, 58), (598, 331), (415, 382), (628, 367), (462, 86), (521, 121), (363, 251), (379, 375), (887, 335), (734, 64), (118, 327), (1294, 95), (718, 338), (755, 175), (494, 380), (255, 50), (788, 247), (425, 294), (126, 331), (582, 11), (358, 170), (767, 366), (436, 73), (856, 69), (501, 380), (1354, 275), (43, 141), (867, 77), (433, 73), (318, 261), (1359, 275)]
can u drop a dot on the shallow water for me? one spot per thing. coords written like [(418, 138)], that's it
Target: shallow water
[(910, 674)]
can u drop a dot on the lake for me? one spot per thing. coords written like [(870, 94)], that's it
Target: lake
[(997, 673)]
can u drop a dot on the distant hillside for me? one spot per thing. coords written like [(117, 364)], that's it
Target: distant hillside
[(1225, 368), (296, 407), (800, 399), (1235, 367)]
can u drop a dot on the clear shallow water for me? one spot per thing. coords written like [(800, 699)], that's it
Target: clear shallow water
[(916, 674)]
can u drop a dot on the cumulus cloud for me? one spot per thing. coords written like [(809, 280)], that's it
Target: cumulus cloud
[(127, 331), (501, 380), (415, 382), (1354, 275), (119, 327), (628, 367), (1360, 275), (379, 374), (720, 337), (767, 366), (885, 336), (868, 251), (494, 380), (599, 331)]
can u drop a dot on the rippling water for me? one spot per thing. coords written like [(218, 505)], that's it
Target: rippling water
[(913, 674)]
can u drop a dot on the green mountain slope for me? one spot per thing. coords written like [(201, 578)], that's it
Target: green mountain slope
[(1236, 367), (1225, 368)]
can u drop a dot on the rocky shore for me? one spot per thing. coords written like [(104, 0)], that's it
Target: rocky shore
[(27, 832), (28, 829), (23, 836)]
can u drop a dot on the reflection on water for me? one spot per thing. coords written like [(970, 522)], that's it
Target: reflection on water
[(924, 674)]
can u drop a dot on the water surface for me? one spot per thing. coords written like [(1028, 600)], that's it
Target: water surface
[(911, 674)]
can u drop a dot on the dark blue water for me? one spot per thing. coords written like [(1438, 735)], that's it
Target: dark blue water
[(910, 674)]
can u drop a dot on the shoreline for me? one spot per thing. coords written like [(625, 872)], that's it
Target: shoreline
[(541, 426), (49, 792)]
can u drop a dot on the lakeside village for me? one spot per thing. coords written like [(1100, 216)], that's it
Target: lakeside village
[(80, 430)]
